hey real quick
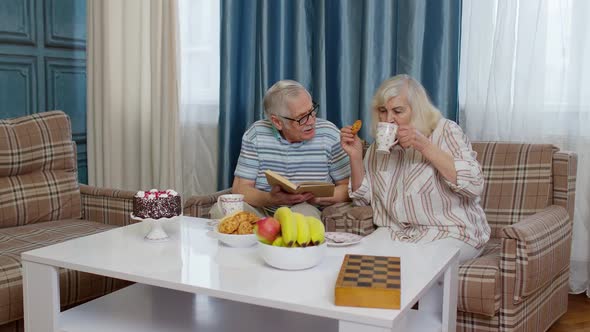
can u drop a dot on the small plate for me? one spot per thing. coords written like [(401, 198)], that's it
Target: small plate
[(342, 239)]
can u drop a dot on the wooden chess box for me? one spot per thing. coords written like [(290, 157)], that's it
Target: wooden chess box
[(369, 281)]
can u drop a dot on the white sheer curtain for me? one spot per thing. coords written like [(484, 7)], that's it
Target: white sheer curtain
[(525, 76), (199, 101)]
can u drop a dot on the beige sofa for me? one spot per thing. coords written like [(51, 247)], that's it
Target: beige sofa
[(41, 203)]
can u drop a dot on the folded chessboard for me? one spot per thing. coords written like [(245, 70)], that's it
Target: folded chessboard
[(369, 281)]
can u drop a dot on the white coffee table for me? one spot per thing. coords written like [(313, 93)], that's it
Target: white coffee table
[(192, 268)]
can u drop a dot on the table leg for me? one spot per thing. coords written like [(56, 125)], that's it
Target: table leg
[(450, 294), (345, 326), (41, 297)]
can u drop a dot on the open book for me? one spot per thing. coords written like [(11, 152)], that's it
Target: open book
[(319, 189)]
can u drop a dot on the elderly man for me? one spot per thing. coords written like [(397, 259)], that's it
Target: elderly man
[(294, 143)]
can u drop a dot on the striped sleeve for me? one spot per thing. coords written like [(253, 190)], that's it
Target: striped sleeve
[(362, 196), (339, 164), (469, 175), (248, 163)]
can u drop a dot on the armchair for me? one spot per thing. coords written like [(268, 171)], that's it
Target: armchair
[(520, 282), (41, 203)]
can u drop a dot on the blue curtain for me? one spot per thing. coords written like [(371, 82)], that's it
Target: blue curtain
[(340, 50)]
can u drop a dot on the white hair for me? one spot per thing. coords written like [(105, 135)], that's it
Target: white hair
[(425, 116), (277, 96)]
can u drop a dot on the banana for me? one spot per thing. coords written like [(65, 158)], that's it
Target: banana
[(278, 242), (288, 225), (303, 236), (282, 213), (316, 230)]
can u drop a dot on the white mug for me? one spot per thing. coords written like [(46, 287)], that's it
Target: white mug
[(231, 203), (386, 132)]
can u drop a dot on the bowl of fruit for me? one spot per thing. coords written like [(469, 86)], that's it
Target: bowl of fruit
[(290, 240)]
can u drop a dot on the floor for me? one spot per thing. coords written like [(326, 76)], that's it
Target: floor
[(577, 317)]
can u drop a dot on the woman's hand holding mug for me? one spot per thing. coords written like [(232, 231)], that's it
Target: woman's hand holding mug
[(410, 137)]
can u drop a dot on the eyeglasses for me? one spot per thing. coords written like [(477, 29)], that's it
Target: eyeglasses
[(304, 119)]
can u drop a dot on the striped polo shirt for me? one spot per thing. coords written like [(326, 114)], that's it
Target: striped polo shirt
[(318, 159)]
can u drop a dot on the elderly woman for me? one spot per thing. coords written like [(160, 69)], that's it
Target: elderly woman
[(427, 188)]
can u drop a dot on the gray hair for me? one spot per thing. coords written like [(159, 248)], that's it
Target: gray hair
[(425, 116), (275, 98)]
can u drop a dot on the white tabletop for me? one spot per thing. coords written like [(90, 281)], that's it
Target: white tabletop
[(192, 260)]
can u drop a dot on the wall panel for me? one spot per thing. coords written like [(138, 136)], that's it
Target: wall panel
[(43, 62), (18, 77), (17, 23)]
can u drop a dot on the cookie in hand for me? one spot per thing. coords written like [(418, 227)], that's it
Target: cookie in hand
[(356, 126)]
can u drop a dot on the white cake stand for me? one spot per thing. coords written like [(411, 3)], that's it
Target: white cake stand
[(156, 232)]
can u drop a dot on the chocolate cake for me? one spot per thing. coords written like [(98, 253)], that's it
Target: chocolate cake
[(157, 204)]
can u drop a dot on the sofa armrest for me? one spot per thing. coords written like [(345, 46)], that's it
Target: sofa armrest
[(199, 206), (107, 206), (346, 217), (543, 244), (565, 165)]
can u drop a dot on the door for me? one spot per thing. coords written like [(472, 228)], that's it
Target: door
[(43, 63)]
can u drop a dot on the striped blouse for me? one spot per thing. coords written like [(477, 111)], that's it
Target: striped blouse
[(409, 196)]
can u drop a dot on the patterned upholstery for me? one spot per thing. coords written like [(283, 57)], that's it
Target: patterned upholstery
[(565, 168), (41, 204), (345, 217), (480, 287), (541, 310), (38, 142), (107, 206), (543, 249), (517, 181), (38, 178), (75, 286)]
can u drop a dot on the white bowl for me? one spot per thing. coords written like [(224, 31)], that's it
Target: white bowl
[(292, 258), (235, 240)]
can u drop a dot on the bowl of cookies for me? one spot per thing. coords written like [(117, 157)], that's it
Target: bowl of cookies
[(237, 229)]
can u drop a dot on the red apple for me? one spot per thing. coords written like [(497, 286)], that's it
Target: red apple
[(267, 229)]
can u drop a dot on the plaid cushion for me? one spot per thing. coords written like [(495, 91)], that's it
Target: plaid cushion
[(75, 286), (39, 196), (480, 288), (517, 181), (41, 141), (38, 177)]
